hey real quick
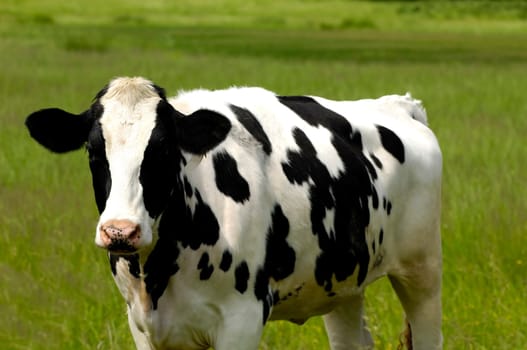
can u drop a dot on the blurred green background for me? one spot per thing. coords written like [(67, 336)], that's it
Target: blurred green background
[(467, 61)]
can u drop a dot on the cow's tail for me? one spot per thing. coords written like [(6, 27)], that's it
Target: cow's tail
[(415, 108)]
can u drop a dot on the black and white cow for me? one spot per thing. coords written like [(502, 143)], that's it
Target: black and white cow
[(222, 210)]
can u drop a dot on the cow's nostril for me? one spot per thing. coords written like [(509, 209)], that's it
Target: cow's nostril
[(134, 234), (122, 231), (112, 231)]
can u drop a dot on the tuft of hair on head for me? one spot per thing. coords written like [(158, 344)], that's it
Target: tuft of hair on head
[(131, 89)]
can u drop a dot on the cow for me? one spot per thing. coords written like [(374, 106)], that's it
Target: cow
[(223, 210)]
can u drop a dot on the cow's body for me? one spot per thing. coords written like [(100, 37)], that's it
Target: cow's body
[(294, 207)]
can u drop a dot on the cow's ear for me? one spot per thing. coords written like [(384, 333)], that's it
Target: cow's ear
[(58, 130), (201, 131)]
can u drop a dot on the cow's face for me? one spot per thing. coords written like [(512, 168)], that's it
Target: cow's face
[(133, 161), (135, 140)]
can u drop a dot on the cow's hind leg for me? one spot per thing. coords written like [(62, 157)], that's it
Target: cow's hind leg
[(346, 326), (419, 290)]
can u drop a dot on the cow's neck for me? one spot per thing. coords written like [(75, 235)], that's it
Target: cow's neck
[(143, 277), (128, 275)]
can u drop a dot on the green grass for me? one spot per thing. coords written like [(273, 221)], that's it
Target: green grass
[(465, 60)]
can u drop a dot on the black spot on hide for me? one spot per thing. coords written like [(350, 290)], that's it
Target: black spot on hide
[(263, 292), (315, 114), (253, 126), (347, 195), (160, 265), (280, 259), (228, 179), (205, 267), (192, 229), (178, 225), (392, 143), (376, 161), (241, 276), (226, 261), (206, 229)]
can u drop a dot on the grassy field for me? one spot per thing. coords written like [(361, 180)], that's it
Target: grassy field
[(466, 60)]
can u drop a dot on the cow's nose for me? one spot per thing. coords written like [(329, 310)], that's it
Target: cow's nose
[(120, 235)]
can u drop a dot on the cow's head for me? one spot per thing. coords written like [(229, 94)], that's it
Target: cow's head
[(134, 139)]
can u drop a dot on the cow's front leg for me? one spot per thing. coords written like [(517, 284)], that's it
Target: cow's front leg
[(241, 328), (141, 340)]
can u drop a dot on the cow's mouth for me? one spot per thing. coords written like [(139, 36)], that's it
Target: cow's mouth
[(121, 247)]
